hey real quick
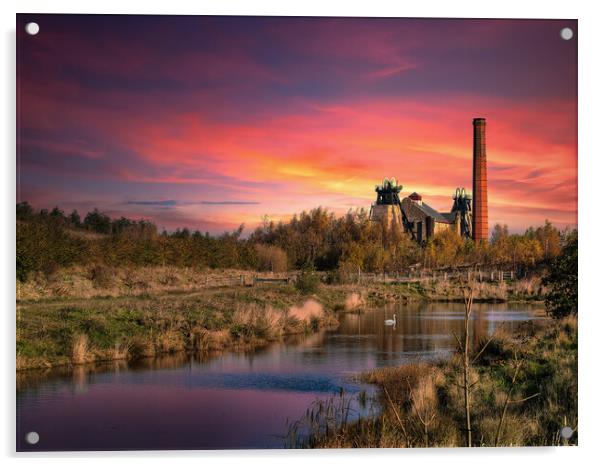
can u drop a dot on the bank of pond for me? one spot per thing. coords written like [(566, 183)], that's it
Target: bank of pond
[(282, 391)]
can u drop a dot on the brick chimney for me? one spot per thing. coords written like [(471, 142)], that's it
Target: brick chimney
[(480, 221)]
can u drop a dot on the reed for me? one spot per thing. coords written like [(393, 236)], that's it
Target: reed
[(80, 349), (213, 340), (354, 302), (520, 400), (120, 350), (309, 310)]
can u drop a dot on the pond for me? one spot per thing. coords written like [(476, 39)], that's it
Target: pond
[(236, 400)]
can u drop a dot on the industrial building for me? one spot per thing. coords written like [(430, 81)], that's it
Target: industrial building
[(468, 216)]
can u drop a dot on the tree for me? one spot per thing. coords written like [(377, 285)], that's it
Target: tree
[(561, 299), (271, 258), (24, 211), (57, 213), (550, 240), (308, 281), (446, 246), (75, 219), (499, 232), (98, 222)]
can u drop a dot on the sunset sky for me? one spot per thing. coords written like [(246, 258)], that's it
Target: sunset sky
[(210, 122)]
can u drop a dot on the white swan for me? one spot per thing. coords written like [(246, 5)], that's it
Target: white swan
[(391, 321)]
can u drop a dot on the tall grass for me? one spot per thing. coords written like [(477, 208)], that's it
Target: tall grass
[(324, 420), (144, 326), (120, 350), (79, 352), (213, 340), (354, 301), (101, 281), (311, 315), (523, 392), (252, 320), (309, 310)]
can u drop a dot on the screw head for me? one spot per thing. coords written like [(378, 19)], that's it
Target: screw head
[(566, 432), (566, 33), (32, 28), (32, 438)]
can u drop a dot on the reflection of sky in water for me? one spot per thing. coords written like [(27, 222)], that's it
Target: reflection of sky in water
[(238, 400)]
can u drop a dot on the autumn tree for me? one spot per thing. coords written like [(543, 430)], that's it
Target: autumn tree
[(561, 299), (271, 258)]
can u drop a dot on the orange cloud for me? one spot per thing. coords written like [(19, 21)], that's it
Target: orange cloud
[(327, 152), (300, 113)]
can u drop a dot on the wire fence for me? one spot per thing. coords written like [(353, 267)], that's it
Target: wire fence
[(360, 277)]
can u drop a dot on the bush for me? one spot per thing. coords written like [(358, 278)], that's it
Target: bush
[(102, 276), (561, 299), (308, 281), (271, 258), (24, 265), (336, 277)]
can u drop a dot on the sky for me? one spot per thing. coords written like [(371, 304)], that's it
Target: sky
[(209, 122)]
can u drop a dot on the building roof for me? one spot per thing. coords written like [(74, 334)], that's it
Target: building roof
[(428, 210), (450, 216)]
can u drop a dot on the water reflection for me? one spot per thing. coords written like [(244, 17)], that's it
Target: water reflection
[(429, 328), (234, 400)]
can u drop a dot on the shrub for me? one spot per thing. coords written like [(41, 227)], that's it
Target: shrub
[(561, 299), (254, 321), (308, 281), (140, 347), (271, 258), (241, 331), (24, 265), (102, 276)]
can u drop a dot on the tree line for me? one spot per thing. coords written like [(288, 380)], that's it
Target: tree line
[(47, 240)]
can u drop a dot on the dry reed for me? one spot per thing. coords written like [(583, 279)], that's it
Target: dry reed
[(354, 302), (79, 353)]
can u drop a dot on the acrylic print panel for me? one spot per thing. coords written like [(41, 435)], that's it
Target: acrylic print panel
[(268, 232)]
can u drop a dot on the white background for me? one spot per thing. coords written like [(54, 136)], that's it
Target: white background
[(590, 217)]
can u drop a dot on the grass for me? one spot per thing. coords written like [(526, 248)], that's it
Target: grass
[(527, 289), (524, 393), (138, 312), (99, 281), (103, 281), (75, 331)]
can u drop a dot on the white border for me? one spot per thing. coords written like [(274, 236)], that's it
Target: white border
[(590, 216)]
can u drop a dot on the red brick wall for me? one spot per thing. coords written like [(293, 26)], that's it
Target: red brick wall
[(480, 220)]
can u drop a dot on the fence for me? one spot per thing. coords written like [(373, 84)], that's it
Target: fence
[(254, 279), (433, 275)]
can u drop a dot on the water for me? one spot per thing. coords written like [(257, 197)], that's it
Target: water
[(235, 400)]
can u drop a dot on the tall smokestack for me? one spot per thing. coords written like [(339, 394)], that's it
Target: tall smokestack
[(480, 221)]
